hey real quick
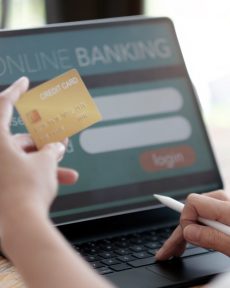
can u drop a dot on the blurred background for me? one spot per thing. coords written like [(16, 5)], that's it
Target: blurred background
[(203, 29)]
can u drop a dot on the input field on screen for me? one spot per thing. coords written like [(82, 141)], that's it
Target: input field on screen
[(140, 103), (135, 134)]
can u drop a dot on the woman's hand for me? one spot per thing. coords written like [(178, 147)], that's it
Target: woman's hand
[(65, 176), (213, 206), (28, 177), (29, 180)]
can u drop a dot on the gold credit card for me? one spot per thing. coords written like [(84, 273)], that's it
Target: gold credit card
[(57, 109)]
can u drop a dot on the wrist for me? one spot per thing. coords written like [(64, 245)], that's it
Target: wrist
[(18, 223), (13, 213)]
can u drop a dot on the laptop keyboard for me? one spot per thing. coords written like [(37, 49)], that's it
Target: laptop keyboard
[(128, 251)]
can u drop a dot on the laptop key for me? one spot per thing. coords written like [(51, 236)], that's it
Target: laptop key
[(111, 261), (123, 251), (107, 255), (120, 267), (154, 238), (141, 255), (92, 245), (142, 262), (137, 240), (119, 239), (152, 251), (97, 264), (123, 244), (107, 247), (137, 248), (153, 245), (126, 258), (76, 247), (91, 251), (92, 258), (104, 270)]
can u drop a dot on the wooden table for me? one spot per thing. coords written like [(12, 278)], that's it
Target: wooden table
[(9, 278)]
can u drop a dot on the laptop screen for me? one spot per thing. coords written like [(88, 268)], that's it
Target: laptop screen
[(151, 139)]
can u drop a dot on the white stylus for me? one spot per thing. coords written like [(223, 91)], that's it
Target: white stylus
[(178, 206)]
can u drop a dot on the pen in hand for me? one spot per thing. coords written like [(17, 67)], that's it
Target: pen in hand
[(178, 206)]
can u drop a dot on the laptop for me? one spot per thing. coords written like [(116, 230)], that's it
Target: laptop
[(152, 139)]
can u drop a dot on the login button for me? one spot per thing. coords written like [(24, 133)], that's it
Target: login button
[(168, 158)]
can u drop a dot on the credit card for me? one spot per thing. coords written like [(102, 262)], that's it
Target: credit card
[(58, 108)]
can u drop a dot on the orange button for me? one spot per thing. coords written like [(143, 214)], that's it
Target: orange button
[(168, 158)]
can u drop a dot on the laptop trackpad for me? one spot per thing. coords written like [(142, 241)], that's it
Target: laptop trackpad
[(192, 268), (139, 277)]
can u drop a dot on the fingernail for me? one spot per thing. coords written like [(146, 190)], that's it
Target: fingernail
[(191, 233), (61, 150), (77, 174), (65, 142), (59, 146), (22, 79), (28, 142)]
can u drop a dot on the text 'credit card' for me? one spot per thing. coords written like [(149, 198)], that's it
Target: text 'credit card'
[(57, 109)]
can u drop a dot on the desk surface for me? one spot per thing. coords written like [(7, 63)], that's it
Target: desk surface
[(9, 278)]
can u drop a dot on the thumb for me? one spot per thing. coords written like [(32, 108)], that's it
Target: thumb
[(7, 98), (207, 237), (53, 151)]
